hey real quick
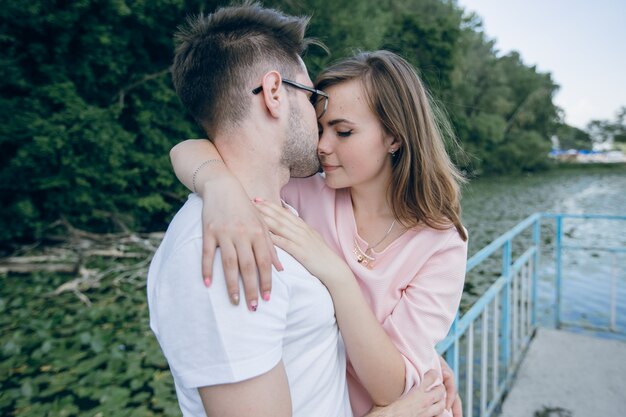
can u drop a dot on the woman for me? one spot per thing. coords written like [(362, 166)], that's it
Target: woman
[(388, 205)]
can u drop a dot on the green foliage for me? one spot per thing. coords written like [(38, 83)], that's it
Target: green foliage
[(343, 26), (522, 151), (88, 113), (573, 138), (59, 357), (502, 109), (427, 34), (607, 131)]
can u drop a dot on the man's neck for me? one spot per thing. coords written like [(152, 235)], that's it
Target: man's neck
[(256, 167)]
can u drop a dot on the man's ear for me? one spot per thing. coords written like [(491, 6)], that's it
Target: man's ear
[(273, 95)]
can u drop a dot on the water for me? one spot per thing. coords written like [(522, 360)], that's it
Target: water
[(492, 206)]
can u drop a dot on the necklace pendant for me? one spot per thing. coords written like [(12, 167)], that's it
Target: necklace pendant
[(363, 258), (367, 258), (369, 264)]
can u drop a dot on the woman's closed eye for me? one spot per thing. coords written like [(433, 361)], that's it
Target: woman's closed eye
[(344, 134)]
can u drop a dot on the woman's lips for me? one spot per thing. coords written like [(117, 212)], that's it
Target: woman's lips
[(329, 168)]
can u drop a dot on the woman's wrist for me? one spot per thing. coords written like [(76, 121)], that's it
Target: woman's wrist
[(194, 182), (212, 176)]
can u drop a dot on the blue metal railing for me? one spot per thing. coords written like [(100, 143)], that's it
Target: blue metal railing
[(501, 324), (560, 247)]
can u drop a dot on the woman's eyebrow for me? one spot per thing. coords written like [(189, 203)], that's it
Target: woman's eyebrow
[(336, 121)]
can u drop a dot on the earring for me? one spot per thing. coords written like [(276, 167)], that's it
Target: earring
[(393, 152)]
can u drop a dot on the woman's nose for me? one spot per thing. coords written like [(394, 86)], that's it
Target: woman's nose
[(324, 145)]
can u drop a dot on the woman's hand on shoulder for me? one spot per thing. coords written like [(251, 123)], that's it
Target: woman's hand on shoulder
[(293, 235), (236, 227), (229, 220)]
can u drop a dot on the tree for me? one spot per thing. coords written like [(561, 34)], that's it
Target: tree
[(426, 33), (609, 131), (573, 138), (88, 114), (478, 99), (502, 109)]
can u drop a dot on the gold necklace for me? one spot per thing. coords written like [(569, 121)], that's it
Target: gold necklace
[(365, 258)]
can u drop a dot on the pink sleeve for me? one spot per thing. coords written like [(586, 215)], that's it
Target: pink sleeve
[(427, 308)]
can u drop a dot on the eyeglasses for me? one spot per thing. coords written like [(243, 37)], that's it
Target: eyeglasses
[(315, 95)]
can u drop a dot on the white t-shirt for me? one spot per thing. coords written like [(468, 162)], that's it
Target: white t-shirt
[(207, 341)]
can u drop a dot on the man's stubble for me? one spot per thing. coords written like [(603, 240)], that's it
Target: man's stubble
[(300, 149)]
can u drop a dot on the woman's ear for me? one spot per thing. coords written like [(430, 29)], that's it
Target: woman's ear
[(393, 144), (273, 95)]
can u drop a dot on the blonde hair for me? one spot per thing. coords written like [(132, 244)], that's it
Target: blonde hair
[(425, 186)]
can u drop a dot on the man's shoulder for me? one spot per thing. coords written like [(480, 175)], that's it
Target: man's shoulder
[(188, 220), (186, 226), (181, 244)]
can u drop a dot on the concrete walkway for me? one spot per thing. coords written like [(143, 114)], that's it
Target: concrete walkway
[(569, 375)]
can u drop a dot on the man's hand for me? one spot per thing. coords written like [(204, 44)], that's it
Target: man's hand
[(418, 402), (453, 400)]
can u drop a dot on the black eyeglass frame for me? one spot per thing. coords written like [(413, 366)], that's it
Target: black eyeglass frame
[(315, 93)]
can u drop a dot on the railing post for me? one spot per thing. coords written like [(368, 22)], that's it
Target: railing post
[(613, 295), (484, 357), (558, 248), (496, 355), (506, 304), (535, 270), (469, 393)]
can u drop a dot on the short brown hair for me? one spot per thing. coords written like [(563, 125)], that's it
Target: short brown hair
[(217, 56), (425, 185)]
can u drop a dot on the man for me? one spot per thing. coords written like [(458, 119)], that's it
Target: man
[(287, 358)]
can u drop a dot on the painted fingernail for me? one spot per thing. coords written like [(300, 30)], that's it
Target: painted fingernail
[(280, 267), (234, 298), (266, 295), (253, 305), (258, 200), (207, 282)]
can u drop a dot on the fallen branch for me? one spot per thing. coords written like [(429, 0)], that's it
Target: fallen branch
[(79, 248), (30, 259), (19, 268), (112, 253)]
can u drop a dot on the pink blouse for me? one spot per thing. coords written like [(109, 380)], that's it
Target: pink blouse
[(414, 289)]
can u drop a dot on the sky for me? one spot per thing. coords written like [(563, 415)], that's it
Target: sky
[(581, 42)]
